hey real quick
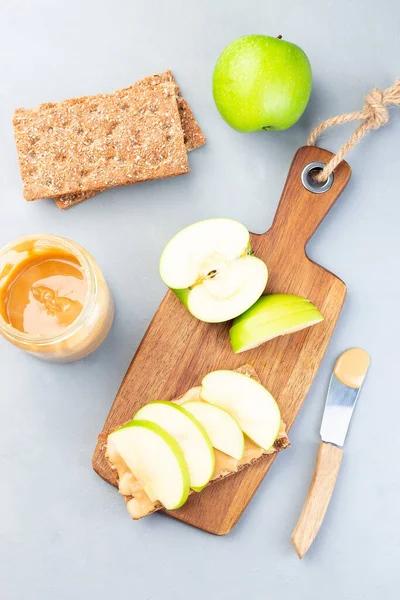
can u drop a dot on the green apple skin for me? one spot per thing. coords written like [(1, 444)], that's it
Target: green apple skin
[(186, 294), (175, 448), (199, 427), (220, 426), (262, 82), (183, 295), (247, 401), (274, 306), (270, 317)]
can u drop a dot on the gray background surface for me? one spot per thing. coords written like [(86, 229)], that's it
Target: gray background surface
[(64, 533)]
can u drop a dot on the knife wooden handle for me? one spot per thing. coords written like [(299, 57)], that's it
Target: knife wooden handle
[(324, 478)]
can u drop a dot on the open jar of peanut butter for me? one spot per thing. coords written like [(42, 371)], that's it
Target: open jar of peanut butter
[(54, 301)]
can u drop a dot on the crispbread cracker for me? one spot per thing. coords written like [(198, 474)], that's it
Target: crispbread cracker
[(192, 134), (280, 443), (93, 143), (68, 200)]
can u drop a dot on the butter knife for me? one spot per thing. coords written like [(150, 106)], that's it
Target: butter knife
[(344, 388)]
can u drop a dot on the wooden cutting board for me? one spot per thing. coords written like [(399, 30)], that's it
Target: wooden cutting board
[(178, 350)]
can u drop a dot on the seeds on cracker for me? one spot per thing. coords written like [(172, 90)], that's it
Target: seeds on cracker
[(93, 143), (192, 134)]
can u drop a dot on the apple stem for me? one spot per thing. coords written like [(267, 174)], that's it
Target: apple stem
[(279, 37)]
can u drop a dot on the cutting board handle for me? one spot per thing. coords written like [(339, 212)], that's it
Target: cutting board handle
[(300, 211)]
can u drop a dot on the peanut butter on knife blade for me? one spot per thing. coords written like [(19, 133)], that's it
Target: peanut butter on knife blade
[(352, 366)]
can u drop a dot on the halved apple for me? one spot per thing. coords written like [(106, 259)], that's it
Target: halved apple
[(249, 403), (270, 317), (190, 435), (155, 459), (210, 267), (222, 429)]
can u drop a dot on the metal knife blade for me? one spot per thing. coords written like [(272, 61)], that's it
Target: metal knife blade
[(339, 407), (347, 378)]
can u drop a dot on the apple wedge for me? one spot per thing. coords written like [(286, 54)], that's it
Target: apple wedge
[(189, 434), (222, 429), (156, 459), (210, 267), (249, 403), (270, 317)]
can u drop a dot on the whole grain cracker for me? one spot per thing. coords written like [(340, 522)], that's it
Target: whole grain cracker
[(93, 143), (192, 134)]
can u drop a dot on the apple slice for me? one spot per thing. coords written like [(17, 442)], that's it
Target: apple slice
[(270, 317), (190, 435), (209, 266), (155, 459), (249, 403), (222, 429)]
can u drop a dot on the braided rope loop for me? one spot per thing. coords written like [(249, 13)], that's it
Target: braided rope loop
[(374, 114)]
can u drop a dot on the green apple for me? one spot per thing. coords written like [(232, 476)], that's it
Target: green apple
[(271, 316), (154, 458), (210, 267), (249, 403), (262, 82), (189, 434), (222, 429)]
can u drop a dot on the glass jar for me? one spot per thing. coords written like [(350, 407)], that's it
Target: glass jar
[(88, 330)]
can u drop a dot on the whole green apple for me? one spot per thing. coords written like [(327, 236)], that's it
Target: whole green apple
[(262, 82)]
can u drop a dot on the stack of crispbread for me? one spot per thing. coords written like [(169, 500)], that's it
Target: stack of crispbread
[(77, 148)]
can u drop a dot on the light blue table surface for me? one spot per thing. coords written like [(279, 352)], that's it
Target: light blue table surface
[(64, 533)]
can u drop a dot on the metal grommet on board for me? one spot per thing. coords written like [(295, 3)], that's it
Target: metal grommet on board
[(310, 183)]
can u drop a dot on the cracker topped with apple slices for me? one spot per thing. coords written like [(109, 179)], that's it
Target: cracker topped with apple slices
[(171, 449)]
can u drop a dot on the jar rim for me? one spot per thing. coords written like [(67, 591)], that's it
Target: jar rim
[(79, 252)]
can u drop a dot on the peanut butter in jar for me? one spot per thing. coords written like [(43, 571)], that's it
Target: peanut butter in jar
[(54, 301)]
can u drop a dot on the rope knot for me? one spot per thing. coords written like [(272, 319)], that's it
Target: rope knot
[(373, 115), (375, 109)]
